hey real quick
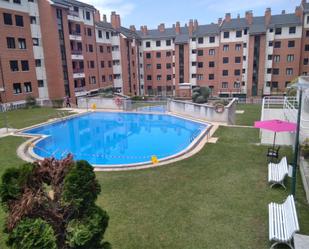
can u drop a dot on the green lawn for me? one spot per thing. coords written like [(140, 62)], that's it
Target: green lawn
[(215, 199), (26, 117), (252, 113)]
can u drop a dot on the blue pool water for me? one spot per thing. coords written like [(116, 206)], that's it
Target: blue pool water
[(116, 138)]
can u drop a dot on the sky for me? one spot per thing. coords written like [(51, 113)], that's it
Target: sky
[(154, 12)]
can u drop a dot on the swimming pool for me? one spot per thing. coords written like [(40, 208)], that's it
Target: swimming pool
[(117, 139)]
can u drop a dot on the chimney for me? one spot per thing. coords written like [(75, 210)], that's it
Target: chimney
[(144, 30), (97, 16), (267, 16), (177, 29), (104, 18), (190, 27), (298, 11), (227, 17), (195, 25), (132, 28), (249, 17), (219, 21), (283, 12), (115, 20), (161, 27)]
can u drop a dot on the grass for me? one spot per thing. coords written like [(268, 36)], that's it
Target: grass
[(215, 199), (252, 113), (26, 117)]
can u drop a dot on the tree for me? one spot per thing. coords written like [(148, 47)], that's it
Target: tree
[(200, 94), (54, 199)]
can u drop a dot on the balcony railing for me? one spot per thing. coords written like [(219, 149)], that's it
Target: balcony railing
[(77, 52), (73, 32), (73, 13), (78, 70)]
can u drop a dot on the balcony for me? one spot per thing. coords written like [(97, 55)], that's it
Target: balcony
[(77, 54), (78, 73), (75, 36), (74, 16)]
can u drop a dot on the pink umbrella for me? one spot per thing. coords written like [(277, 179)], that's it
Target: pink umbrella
[(275, 125)]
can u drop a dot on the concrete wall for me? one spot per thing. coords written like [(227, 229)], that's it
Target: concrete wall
[(101, 103), (203, 111)]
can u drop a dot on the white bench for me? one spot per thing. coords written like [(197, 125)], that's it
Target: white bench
[(277, 172), (283, 223)]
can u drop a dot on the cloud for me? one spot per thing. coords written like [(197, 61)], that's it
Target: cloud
[(122, 7)]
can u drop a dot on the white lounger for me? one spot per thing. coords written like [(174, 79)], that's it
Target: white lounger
[(277, 172), (283, 223)]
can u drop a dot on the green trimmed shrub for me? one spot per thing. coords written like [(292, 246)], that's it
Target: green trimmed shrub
[(32, 234), (30, 102), (200, 94)]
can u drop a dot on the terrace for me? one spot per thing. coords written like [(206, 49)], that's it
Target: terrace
[(215, 199)]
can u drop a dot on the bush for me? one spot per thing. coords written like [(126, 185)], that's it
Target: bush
[(139, 98), (200, 94), (291, 92), (200, 100), (305, 148), (30, 102), (57, 103), (34, 234)]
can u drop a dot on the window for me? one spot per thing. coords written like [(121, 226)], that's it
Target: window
[(24, 65), (89, 32), (307, 32), (148, 66), (100, 33), (269, 70), (168, 42), (243, 70), (212, 39), (93, 80), (244, 44), (22, 43), (275, 71), (276, 58), (7, 18), (103, 78), (158, 66), (306, 61), (291, 44), (225, 72), (225, 60), (270, 43), (307, 19), (200, 52), (107, 35), (35, 41), (236, 72), (238, 33), (200, 65), (193, 51), (32, 19), (200, 40), (225, 85), (278, 31), (193, 76), (271, 30), (17, 1), (211, 64), (109, 63), (158, 43), (289, 71), (274, 84), (226, 34), (38, 63), (211, 52), (28, 87), (244, 58), (168, 65), (193, 39), (158, 54), (193, 63), (90, 49), (17, 88), (19, 21), (245, 31), (10, 42), (149, 77), (307, 47), (199, 76), (102, 64), (277, 44), (108, 49), (237, 59), (87, 15), (292, 30), (270, 57), (91, 64), (40, 83), (159, 77), (168, 54), (101, 49), (148, 55), (237, 47), (225, 47), (148, 44), (211, 76), (290, 57), (236, 84), (168, 77), (14, 66)]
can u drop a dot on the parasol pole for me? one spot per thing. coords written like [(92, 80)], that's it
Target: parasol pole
[(274, 141)]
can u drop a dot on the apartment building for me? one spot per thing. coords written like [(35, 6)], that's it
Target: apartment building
[(50, 49)]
